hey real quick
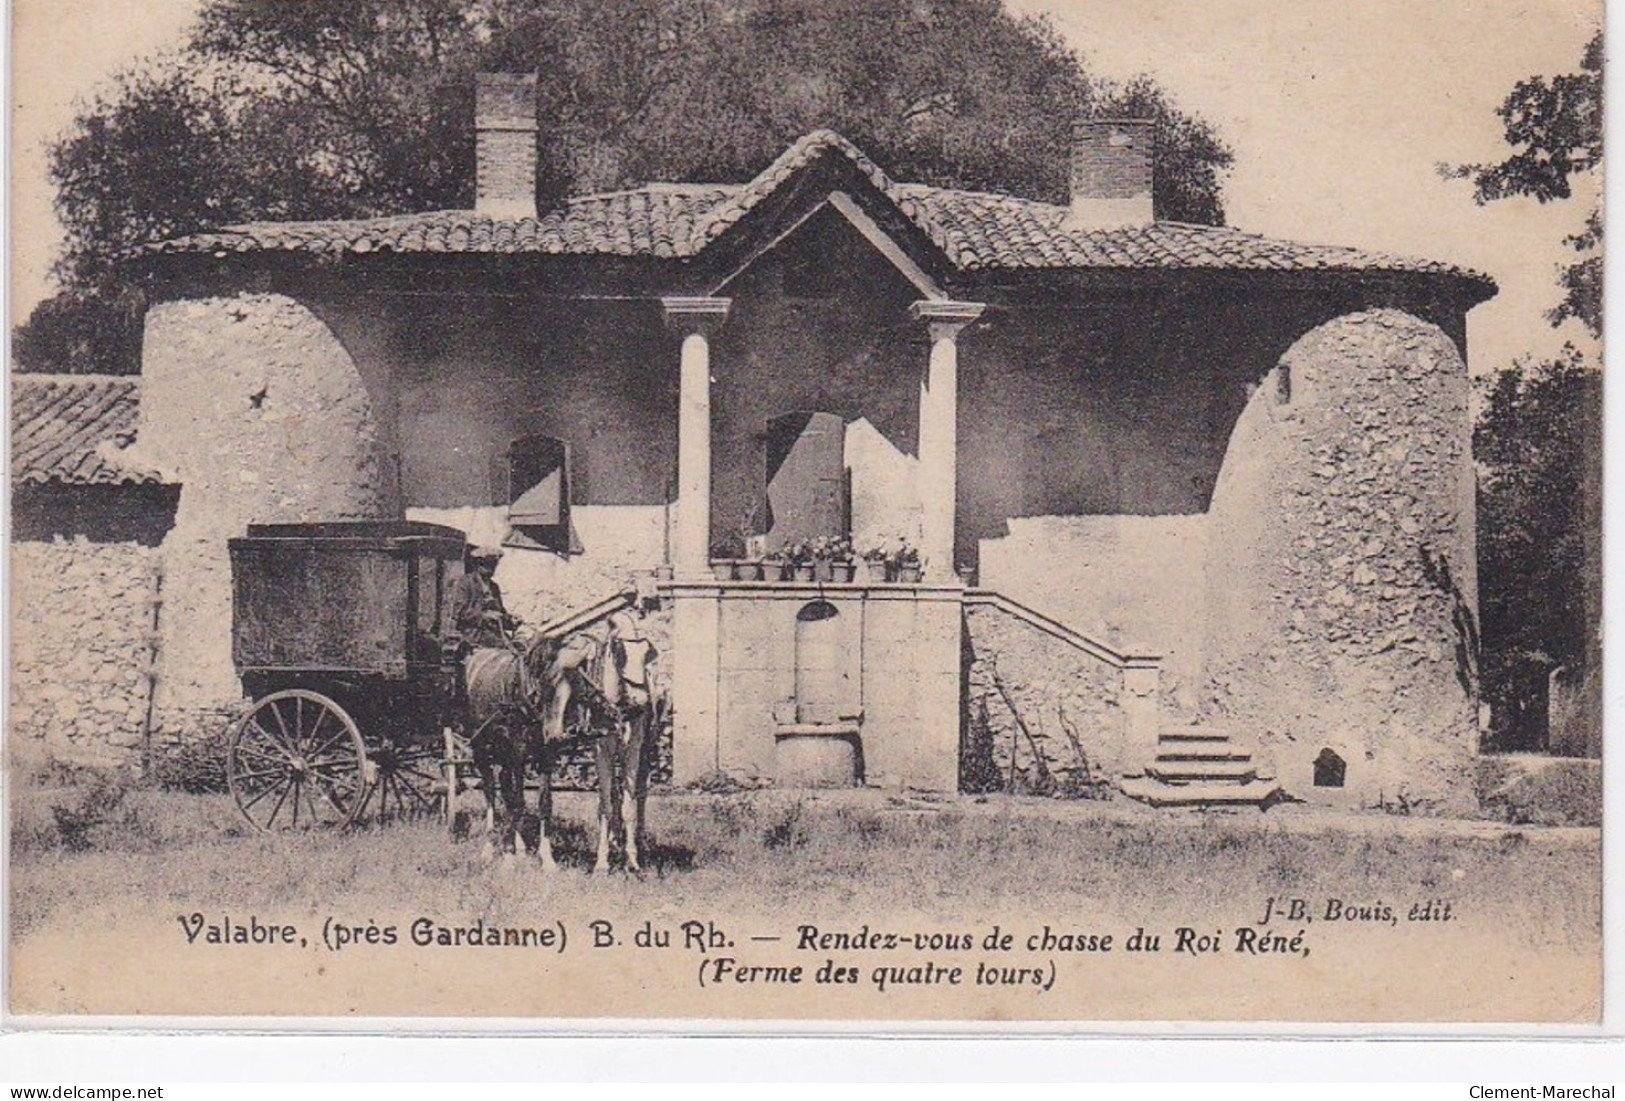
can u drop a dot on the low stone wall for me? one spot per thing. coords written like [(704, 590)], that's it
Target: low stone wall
[(764, 673), (81, 648), (1042, 715)]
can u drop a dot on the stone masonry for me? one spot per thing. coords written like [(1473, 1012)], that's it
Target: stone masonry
[(1042, 716), (1341, 571), (258, 411), (81, 648)]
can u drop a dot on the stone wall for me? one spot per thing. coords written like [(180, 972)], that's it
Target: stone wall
[(1041, 714), (81, 648), (1341, 570), (473, 374), (1133, 582), (257, 410)]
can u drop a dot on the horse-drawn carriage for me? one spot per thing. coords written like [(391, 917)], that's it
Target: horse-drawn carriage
[(343, 637)]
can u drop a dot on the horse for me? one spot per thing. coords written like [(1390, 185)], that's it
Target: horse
[(506, 693), (623, 750), (517, 701)]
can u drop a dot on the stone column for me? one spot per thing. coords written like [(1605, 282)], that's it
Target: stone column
[(695, 320), (939, 433)]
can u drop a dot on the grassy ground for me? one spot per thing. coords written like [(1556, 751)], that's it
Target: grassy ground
[(865, 848), (86, 855)]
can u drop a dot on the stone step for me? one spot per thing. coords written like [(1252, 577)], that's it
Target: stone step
[(1258, 793), (1201, 751), (1192, 734), (1186, 772)]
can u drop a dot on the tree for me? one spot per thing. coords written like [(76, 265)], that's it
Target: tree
[(350, 108), (1538, 441), (1554, 126)]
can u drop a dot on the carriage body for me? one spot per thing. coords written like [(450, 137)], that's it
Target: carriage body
[(357, 600), (342, 636)]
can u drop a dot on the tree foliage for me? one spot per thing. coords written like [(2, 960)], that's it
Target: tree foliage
[(347, 108), (1555, 128), (1539, 447), (1538, 441)]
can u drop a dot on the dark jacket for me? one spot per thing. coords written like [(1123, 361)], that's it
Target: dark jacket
[(478, 613)]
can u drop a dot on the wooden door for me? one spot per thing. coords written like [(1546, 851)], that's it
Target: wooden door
[(806, 477)]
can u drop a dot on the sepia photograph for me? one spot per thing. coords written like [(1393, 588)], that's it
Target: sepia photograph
[(561, 514)]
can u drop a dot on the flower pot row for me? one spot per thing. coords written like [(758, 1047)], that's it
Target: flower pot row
[(817, 570)]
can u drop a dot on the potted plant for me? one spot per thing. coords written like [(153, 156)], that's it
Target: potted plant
[(748, 547), (874, 562), (724, 554), (842, 563), (775, 565), (823, 558), (800, 556), (908, 564), (753, 566)]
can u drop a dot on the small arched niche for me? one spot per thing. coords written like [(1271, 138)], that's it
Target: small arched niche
[(821, 677), (1330, 770)]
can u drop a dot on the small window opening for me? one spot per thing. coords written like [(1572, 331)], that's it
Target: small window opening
[(1329, 770), (532, 477), (1283, 385)]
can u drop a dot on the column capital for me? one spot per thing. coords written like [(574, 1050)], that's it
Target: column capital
[(695, 315), (946, 317)]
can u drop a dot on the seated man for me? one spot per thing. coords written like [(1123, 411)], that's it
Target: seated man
[(476, 603)]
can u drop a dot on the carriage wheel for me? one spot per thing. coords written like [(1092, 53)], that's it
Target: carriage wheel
[(297, 762), (409, 783)]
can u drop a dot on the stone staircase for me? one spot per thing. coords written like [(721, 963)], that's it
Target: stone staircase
[(1202, 766)]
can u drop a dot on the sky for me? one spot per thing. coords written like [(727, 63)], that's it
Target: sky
[(1339, 112)]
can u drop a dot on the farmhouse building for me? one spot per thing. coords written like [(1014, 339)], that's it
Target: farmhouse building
[(1195, 507)]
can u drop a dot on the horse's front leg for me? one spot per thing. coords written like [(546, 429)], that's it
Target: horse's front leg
[(604, 749), (513, 800), (486, 768), (634, 786), (544, 810)]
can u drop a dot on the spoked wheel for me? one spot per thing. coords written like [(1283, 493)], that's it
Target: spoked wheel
[(297, 762), (409, 782)]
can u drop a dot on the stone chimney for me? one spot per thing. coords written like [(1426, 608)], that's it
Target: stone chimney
[(1111, 173), (505, 145)]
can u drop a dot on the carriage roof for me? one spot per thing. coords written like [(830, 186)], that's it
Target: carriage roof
[(415, 536)]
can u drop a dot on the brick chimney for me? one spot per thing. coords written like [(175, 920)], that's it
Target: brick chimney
[(505, 145), (1111, 173)]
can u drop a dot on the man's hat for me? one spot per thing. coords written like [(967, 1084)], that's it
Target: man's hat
[(483, 554)]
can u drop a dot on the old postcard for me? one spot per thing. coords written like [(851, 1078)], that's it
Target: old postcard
[(1057, 512)]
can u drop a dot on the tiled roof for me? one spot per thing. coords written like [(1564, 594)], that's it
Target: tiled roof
[(975, 230), (657, 220), (70, 429)]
